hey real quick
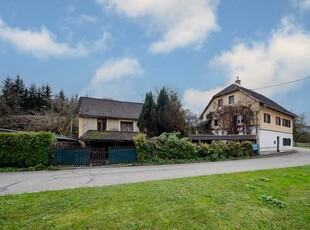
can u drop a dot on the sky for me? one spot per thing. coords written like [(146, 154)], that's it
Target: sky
[(123, 49)]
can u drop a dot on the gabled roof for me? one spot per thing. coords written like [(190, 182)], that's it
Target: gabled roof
[(259, 97), (94, 107)]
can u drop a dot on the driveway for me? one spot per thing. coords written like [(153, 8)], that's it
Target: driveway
[(20, 182)]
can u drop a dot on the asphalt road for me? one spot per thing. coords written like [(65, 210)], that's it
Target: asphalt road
[(21, 182)]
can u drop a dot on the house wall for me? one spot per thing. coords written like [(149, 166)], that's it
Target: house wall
[(238, 96), (267, 141), (113, 125), (87, 123), (272, 125)]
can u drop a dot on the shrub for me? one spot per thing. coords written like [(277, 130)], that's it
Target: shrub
[(234, 149), (203, 150), (247, 148), (220, 148), (143, 147), (25, 149), (169, 146)]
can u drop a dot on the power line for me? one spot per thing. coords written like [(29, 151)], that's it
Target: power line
[(289, 82)]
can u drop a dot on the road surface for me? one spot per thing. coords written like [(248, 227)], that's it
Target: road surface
[(21, 182)]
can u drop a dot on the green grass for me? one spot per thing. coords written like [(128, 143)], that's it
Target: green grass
[(302, 145), (269, 199)]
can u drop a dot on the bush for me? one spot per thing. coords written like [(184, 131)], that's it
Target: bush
[(234, 149), (203, 150), (247, 148), (25, 149), (220, 148), (169, 146), (144, 151)]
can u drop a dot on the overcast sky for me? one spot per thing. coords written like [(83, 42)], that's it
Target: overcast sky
[(122, 49)]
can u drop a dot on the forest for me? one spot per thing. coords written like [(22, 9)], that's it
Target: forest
[(36, 108)]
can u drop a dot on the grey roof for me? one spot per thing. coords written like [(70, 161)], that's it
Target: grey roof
[(95, 107), (203, 137), (96, 135), (259, 97)]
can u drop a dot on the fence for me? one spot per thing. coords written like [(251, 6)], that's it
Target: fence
[(92, 156), (119, 155)]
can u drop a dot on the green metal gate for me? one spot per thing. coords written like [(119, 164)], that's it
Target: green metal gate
[(74, 157), (119, 155)]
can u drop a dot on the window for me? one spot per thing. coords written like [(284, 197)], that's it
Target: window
[(286, 141), (278, 120), (239, 119), (266, 118), (220, 103), (101, 124), (127, 126), (216, 123), (231, 100), (286, 123)]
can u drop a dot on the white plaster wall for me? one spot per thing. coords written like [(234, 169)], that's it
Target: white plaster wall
[(268, 141)]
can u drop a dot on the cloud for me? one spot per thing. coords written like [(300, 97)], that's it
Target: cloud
[(180, 23), (113, 79), (283, 57), (302, 4), (101, 44), (41, 44), (197, 100)]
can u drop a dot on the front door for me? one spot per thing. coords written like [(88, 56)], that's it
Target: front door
[(278, 144)]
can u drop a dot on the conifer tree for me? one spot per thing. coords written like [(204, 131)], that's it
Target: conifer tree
[(146, 118)]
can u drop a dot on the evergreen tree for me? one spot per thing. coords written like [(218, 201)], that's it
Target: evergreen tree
[(162, 110), (146, 118), (166, 115)]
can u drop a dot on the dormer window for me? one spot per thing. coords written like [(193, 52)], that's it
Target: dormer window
[(220, 103)]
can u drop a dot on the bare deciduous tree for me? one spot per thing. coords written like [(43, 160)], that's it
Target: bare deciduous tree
[(237, 118)]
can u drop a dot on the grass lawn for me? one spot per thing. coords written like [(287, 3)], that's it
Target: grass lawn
[(269, 199), (302, 145)]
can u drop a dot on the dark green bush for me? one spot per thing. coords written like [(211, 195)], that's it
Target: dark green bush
[(170, 148), (203, 150), (247, 148), (25, 149)]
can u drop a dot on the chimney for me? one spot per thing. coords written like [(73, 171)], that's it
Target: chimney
[(238, 82)]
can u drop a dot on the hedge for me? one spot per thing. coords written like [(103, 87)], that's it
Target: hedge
[(25, 149), (169, 147)]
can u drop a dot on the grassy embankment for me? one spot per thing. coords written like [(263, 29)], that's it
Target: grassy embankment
[(268, 199)]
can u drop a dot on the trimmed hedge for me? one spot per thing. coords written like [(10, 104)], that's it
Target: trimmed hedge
[(169, 147), (25, 149)]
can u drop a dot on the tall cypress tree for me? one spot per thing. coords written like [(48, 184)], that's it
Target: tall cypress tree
[(162, 110), (146, 118)]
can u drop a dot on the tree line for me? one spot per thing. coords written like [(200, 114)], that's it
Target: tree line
[(35, 108)]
